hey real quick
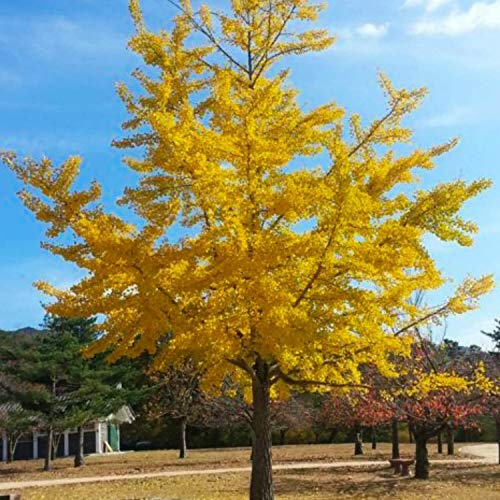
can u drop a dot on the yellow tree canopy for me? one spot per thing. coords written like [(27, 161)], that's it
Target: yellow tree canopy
[(308, 268)]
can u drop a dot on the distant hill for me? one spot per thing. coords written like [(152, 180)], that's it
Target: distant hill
[(20, 333), (27, 330)]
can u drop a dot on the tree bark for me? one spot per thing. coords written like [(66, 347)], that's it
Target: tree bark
[(48, 453), (261, 484), (79, 456), (374, 438), (182, 437), (395, 438), (450, 440), (421, 458), (358, 443), (440, 442)]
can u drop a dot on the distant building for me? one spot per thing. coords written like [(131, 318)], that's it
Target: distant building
[(102, 436)]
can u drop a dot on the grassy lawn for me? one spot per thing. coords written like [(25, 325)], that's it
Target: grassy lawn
[(461, 482), (152, 461)]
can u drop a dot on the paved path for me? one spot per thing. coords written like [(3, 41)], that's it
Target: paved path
[(488, 452), (482, 451)]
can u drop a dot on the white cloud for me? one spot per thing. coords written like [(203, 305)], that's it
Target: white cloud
[(480, 15), (370, 30), (451, 118), (43, 143), (56, 37), (429, 5)]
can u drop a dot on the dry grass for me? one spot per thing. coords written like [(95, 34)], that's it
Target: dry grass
[(460, 482), (153, 461)]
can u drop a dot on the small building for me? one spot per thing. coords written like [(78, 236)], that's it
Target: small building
[(102, 436)]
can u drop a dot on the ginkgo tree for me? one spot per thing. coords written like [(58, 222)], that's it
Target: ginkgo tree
[(287, 275)]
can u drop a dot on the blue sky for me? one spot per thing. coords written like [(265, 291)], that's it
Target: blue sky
[(60, 59)]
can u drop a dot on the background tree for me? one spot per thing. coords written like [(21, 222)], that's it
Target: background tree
[(15, 422), (95, 387), (495, 336), (354, 411), (244, 293), (434, 396), (373, 410), (176, 393), (289, 414), (36, 376), (493, 370), (47, 375)]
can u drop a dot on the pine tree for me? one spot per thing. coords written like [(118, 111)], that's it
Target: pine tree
[(47, 376), (15, 422), (494, 335)]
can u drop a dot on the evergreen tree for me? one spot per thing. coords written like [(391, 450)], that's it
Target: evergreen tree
[(14, 422), (494, 335), (48, 375)]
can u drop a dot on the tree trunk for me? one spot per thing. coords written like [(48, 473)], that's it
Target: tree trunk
[(440, 442), (55, 444), (261, 484), (450, 440), (79, 456), (11, 448), (182, 437), (333, 434), (374, 438), (283, 436), (48, 454), (421, 458), (410, 433), (395, 438), (358, 443)]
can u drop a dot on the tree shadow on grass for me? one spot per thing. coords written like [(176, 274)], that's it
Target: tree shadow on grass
[(379, 482)]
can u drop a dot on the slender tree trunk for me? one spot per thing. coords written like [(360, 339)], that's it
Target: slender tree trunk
[(450, 440), (395, 438), (55, 444), (48, 453), (11, 448), (80, 456), (358, 443), (440, 442), (374, 437), (333, 434), (410, 433), (283, 436), (261, 484), (421, 458), (182, 437)]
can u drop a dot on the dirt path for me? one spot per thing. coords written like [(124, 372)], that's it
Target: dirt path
[(487, 454)]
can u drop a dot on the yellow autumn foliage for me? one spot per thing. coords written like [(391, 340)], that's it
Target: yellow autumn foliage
[(308, 269)]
